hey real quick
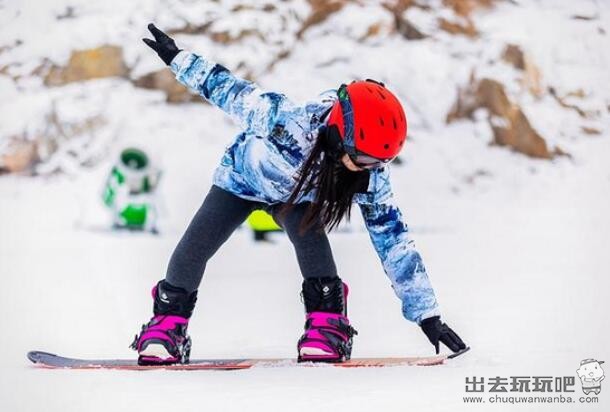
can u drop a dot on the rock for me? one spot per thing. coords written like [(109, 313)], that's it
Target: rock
[(407, 29), (401, 24), (465, 27), (320, 11), (400, 6), (590, 130), (563, 103), (282, 55), (57, 145), (224, 37), (190, 28), (532, 79), (509, 124), (373, 30), (19, 157), (104, 61), (463, 23), (464, 8), (165, 81), (514, 55), (586, 18)]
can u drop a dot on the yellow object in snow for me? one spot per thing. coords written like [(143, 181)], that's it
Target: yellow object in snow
[(261, 221)]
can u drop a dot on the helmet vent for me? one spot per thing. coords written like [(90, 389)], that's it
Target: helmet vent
[(381, 121), (394, 122), (386, 146), (361, 134), (381, 95)]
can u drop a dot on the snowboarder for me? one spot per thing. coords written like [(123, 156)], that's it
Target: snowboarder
[(305, 165)]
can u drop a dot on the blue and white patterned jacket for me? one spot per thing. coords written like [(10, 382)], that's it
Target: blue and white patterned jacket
[(277, 136)]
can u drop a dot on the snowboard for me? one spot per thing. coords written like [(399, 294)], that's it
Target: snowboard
[(52, 361)]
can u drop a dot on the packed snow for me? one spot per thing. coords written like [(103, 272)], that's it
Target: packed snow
[(516, 248)]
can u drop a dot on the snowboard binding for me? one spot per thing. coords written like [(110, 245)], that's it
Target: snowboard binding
[(164, 339), (328, 335)]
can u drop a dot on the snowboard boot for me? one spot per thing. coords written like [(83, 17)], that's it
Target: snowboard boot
[(163, 340), (328, 334)]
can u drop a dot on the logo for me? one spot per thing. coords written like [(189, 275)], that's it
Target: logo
[(529, 389), (591, 376), (164, 297)]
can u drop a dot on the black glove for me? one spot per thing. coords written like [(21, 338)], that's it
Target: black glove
[(437, 331), (163, 44)]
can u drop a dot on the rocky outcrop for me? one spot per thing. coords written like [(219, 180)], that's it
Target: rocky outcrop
[(514, 56), (458, 26), (165, 81), (60, 145), (462, 23), (509, 124), (320, 11), (563, 102), (531, 79), (104, 61), (19, 156), (465, 8), (402, 25)]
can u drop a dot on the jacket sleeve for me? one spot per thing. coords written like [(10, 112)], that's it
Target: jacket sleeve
[(402, 263), (255, 110)]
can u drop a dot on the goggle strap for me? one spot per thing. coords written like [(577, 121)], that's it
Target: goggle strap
[(348, 118)]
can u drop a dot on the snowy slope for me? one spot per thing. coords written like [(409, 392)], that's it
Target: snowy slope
[(523, 282), (516, 248)]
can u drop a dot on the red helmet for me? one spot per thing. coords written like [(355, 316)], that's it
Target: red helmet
[(375, 120)]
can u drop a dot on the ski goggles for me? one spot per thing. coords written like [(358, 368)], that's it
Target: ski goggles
[(367, 162), (357, 157), (336, 148)]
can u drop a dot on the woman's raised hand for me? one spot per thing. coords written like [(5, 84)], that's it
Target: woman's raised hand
[(162, 44)]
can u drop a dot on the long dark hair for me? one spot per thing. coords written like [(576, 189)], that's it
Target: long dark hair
[(335, 185)]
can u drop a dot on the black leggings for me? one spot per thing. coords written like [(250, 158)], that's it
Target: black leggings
[(219, 215)]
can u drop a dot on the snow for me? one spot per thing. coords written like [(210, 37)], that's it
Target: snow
[(516, 248), (519, 274)]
